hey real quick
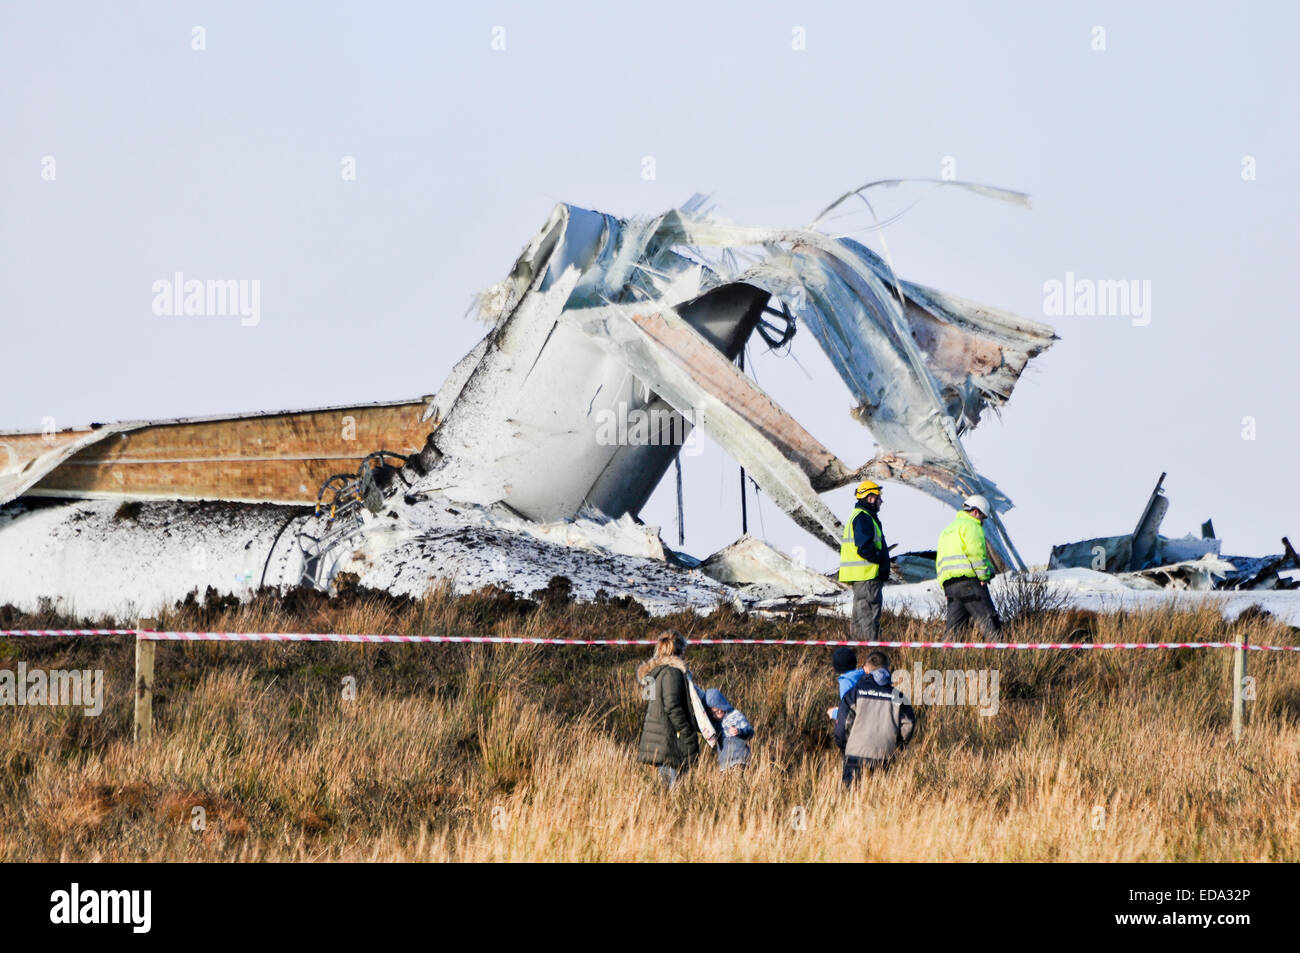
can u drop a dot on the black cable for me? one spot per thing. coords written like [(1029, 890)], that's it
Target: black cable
[(266, 565)]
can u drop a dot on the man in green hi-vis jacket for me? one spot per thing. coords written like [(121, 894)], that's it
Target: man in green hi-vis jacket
[(963, 568)]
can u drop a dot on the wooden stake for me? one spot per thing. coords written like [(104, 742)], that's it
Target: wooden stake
[(144, 655), (1239, 688)]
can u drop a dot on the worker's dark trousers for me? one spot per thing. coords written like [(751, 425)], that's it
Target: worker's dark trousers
[(867, 600), (853, 767), (969, 601)]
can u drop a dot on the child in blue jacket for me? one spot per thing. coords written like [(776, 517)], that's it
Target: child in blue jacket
[(734, 730)]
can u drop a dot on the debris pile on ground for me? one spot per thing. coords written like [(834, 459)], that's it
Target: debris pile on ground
[(764, 573), (1144, 559), (912, 567)]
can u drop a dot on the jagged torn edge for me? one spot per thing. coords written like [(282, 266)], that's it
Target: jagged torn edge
[(936, 461)]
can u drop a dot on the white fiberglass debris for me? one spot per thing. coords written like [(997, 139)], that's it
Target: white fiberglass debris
[(750, 561), (103, 557)]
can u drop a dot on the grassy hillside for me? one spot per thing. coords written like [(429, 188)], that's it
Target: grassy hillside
[(524, 753)]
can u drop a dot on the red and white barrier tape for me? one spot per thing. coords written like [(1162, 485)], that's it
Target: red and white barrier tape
[(520, 640), (60, 633)]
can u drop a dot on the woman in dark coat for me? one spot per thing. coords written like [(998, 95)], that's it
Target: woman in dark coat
[(668, 737)]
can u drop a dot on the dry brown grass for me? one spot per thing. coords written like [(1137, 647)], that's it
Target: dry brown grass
[(527, 753)]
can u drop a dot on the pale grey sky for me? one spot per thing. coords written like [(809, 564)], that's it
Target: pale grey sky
[(225, 163)]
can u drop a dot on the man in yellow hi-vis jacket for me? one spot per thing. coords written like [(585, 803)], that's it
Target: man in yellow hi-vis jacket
[(963, 569), (864, 561)]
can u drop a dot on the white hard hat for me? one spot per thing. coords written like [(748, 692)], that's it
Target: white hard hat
[(978, 502)]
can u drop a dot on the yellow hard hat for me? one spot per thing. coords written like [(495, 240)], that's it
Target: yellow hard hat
[(866, 488)]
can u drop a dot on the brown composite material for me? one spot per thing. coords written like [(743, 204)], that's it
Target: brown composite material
[(712, 371), (279, 457)]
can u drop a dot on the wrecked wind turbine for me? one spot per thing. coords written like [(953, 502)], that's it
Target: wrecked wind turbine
[(508, 474), (602, 315)]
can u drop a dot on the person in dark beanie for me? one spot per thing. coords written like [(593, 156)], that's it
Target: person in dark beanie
[(875, 720), (668, 735), (847, 675)]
